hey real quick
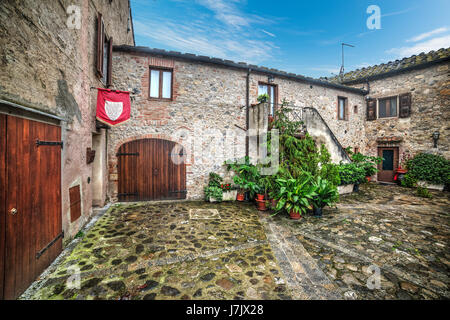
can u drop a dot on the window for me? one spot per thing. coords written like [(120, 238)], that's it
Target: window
[(271, 91), (342, 108), (387, 107), (160, 83), (355, 109), (104, 52)]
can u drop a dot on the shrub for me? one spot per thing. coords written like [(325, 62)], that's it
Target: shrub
[(368, 163), (350, 173), (326, 193), (429, 167), (424, 193), (409, 181), (247, 176), (214, 189)]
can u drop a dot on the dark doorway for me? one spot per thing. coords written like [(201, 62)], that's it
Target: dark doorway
[(389, 164)]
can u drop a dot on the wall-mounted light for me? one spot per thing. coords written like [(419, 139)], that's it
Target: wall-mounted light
[(435, 136), (270, 79)]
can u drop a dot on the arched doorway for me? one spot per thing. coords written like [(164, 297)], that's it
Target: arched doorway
[(151, 169)]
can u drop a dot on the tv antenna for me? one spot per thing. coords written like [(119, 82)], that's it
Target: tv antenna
[(341, 72)]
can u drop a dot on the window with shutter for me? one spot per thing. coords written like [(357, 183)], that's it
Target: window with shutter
[(100, 44), (405, 105), (371, 109)]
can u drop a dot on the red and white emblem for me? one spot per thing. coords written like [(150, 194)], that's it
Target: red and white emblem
[(113, 106)]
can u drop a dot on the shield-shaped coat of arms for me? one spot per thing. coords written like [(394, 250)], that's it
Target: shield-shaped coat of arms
[(113, 106)]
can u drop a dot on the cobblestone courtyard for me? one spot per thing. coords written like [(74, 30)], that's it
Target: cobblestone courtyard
[(197, 250)]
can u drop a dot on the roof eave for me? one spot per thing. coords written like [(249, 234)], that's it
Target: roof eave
[(232, 64)]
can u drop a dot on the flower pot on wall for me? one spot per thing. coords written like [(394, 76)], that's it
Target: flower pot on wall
[(348, 188), (229, 195)]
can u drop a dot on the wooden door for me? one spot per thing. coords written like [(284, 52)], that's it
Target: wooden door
[(389, 164), (151, 169), (31, 208)]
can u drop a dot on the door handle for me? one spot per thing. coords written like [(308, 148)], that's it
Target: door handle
[(13, 211)]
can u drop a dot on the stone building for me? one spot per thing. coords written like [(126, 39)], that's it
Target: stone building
[(410, 100), (52, 54)]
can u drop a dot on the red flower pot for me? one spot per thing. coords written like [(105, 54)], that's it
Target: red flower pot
[(240, 197), (261, 205), (368, 179), (259, 196), (295, 215)]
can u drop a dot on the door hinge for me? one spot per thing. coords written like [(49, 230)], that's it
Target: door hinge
[(49, 143)]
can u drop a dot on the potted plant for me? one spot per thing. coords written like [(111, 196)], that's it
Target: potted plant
[(213, 191), (242, 184), (368, 163), (246, 177), (295, 195), (350, 174), (229, 193), (326, 195)]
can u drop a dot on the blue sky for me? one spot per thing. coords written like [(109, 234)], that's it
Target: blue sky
[(303, 37)]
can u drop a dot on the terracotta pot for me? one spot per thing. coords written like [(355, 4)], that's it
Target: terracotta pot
[(259, 196), (401, 170), (261, 205), (295, 215), (240, 196), (368, 179)]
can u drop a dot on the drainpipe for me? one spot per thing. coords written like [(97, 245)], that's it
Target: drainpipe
[(247, 106)]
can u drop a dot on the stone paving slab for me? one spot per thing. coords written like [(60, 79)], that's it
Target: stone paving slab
[(157, 251), (385, 226)]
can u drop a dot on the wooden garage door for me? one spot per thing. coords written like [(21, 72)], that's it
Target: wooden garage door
[(30, 201), (151, 169)]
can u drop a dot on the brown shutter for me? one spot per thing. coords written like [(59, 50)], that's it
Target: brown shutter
[(405, 105), (109, 79), (75, 203), (371, 109), (100, 40)]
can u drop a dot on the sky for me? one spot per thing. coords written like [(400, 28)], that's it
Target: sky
[(302, 37)]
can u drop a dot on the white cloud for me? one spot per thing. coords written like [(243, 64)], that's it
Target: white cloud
[(425, 35), (425, 46), (268, 33)]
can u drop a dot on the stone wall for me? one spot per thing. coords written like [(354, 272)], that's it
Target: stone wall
[(211, 97), (430, 111), (50, 67)]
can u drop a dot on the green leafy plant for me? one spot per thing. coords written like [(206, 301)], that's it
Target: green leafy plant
[(264, 97), (326, 193), (351, 173), (424, 192), (429, 167), (214, 189), (409, 181), (295, 194), (247, 176), (368, 163)]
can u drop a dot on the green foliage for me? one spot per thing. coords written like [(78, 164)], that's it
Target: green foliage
[(351, 173), (213, 189), (368, 163), (409, 181), (429, 167), (247, 176), (263, 98), (295, 194), (423, 192), (326, 193), (80, 234)]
